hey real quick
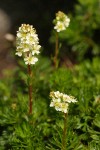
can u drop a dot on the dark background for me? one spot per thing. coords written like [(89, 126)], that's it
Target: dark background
[(39, 13)]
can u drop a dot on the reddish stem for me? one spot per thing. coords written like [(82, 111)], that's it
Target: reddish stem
[(56, 52), (30, 89)]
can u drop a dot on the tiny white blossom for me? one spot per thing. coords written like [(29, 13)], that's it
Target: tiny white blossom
[(59, 26), (57, 94), (36, 49), (30, 60), (64, 107), (51, 104), (66, 21), (18, 53)]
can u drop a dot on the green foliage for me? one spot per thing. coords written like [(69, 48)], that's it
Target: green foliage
[(61, 79), (43, 129)]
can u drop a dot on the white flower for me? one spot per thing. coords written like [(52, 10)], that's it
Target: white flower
[(68, 98), (51, 104), (30, 60), (36, 49), (27, 44), (61, 101), (66, 21), (18, 53), (19, 34), (64, 107), (61, 22), (59, 26), (58, 106), (57, 94)]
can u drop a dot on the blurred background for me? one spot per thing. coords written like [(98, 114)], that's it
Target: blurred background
[(80, 41)]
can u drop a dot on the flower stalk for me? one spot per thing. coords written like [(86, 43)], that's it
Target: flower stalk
[(60, 102), (27, 46), (30, 89), (64, 132), (56, 61), (61, 22)]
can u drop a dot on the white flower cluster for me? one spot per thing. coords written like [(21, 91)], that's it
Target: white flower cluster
[(27, 44), (61, 22), (61, 101)]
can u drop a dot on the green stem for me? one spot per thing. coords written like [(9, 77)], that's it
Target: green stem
[(30, 89), (64, 132), (56, 52)]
